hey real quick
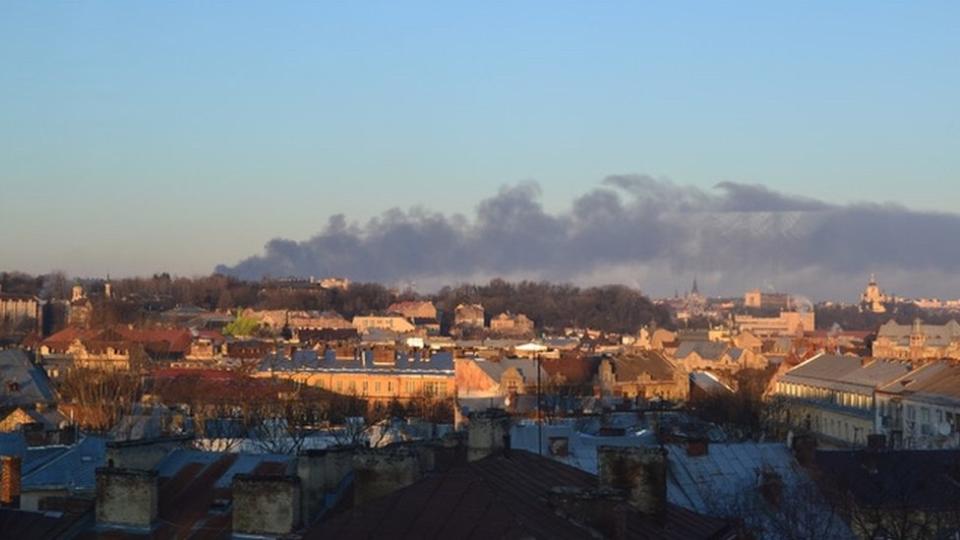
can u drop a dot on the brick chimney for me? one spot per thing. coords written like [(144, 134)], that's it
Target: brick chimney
[(265, 504), (487, 433), (380, 472), (640, 472), (126, 498), (10, 478)]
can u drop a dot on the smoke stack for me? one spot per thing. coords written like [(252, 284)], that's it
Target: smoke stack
[(10, 481)]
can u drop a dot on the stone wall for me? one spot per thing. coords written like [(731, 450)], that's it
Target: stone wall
[(126, 497), (266, 505)]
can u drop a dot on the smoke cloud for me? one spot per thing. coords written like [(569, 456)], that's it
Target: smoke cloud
[(644, 232)]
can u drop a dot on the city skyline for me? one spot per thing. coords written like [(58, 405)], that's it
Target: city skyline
[(181, 137)]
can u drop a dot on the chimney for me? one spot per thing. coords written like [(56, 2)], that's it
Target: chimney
[(641, 472), (485, 433), (603, 510), (34, 434), (10, 481), (265, 504), (380, 472), (876, 442), (698, 447), (126, 498), (805, 449), (321, 472)]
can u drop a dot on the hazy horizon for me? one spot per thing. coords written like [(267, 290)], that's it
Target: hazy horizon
[(180, 137)]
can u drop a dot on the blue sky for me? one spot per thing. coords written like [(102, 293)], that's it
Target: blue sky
[(178, 135)]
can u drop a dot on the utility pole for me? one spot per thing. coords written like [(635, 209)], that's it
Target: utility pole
[(539, 411)]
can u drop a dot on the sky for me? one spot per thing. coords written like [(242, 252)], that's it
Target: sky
[(179, 136)]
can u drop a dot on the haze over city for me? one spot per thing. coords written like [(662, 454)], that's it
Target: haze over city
[(550, 270), (184, 138)]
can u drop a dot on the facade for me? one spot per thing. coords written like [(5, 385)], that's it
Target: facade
[(469, 315), (512, 324), (477, 377), (414, 309), (379, 374), (757, 299), (19, 313), (918, 341), (392, 323), (114, 349), (716, 356), (921, 409), (833, 396), (788, 323), (645, 376)]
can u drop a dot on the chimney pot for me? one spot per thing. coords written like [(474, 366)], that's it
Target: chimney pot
[(10, 481)]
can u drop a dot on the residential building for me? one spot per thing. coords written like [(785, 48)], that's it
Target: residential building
[(833, 396), (469, 315), (477, 377), (22, 383), (646, 375), (921, 409), (757, 299), (414, 309), (787, 323), (716, 356), (376, 373), (918, 341), (509, 324), (894, 493), (115, 348), (20, 313), (392, 323)]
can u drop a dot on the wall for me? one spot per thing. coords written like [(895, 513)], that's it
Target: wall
[(266, 504), (126, 497)]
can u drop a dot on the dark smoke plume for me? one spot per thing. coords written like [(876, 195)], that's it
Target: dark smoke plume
[(644, 232)]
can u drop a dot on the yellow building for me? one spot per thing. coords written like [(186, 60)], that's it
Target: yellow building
[(379, 375)]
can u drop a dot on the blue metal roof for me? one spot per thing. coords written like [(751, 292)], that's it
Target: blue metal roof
[(440, 362)]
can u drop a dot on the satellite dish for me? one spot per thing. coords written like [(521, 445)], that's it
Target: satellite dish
[(944, 428)]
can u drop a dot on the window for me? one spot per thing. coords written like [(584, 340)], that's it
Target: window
[(376, 387)]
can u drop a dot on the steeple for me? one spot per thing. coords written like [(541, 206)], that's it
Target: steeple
[(695, 290)]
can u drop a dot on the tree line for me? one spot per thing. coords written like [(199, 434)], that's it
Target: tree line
[(611, 308)]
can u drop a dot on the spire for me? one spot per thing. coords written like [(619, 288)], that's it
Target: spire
[(695, 290)]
